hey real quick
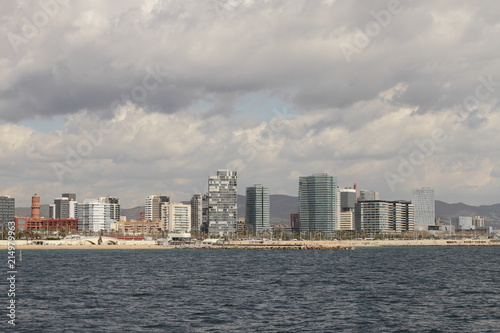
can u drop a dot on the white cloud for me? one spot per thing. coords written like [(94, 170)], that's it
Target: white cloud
[(355, 120)]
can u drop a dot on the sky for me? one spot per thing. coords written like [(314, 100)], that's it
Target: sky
[(131, 98)]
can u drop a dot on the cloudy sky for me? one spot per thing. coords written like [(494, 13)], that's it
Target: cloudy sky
[(130, 98)]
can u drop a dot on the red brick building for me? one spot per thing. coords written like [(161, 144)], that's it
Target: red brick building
[(26, 223)]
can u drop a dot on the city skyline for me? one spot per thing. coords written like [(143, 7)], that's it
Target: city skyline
[(130, 99)]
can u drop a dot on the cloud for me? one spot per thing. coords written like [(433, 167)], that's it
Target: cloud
[(177, 81)]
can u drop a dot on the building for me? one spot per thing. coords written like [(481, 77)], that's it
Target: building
[(197, 212), (380, 216), (152, 206), (222, 202), (42, 224), (423, 201), (7, 210), (348, 197), (347, 220), (176, 217), (257, 208), (63, 207), (294, 222), (93, 215), (462, 223), (139, 227), (368, 195), (478, 221), (241, 226), (35, 207), (319, 204), (115, 206)]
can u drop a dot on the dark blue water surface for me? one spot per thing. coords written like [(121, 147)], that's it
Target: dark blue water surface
[(396, 289)]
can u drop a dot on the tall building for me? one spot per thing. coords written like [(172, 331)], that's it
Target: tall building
[(93, 215), (7, 210), (381, 216), (63, 207), (176, 217), (347, 199), (257, 208), (368, 195), (152, 206), (319, 204), (222, 202), (196, 212), (423, 201), (115, 206)]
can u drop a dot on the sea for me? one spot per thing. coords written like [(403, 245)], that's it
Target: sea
[(379, 289)]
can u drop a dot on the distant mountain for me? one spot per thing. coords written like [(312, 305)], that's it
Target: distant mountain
[(491, 213), (132, 213)]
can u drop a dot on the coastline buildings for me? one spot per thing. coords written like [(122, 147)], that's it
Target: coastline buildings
[(197, 212), (257, 208), (348, 197), (152, 206), (93, 215), (63, 207), (319, 204), (115, 207), (381, 216), (176, 217), (368, 195), (38, 223), (423, 201), (7, 210), (222, 203)]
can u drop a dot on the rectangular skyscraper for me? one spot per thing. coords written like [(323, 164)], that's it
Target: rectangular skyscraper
[(93, 215), (152, 206), (319, 204), (425, 207), (6, 210), (257, 208), (222, 202)]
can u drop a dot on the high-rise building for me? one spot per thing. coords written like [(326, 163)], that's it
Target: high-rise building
[(257, 208), (115, 206), (176, 217), (196, 212), (152, 206), (93, 215), (319, 204), (222, 202), (381, 216), (63, 207), (423, 201), (368, 195), (347, 199), (7, 210)]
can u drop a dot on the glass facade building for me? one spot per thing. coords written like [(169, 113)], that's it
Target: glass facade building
[(319, 204), (425, 207), (257, 208)]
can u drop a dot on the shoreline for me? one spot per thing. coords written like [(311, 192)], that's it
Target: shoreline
[(277, 244)]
